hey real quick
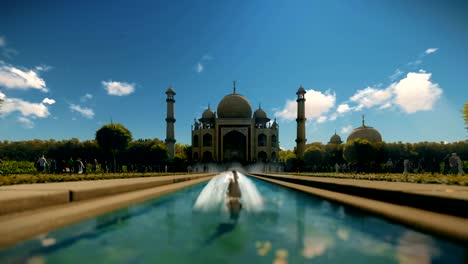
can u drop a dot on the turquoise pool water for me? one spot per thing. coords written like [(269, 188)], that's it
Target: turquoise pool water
[(291, 227)]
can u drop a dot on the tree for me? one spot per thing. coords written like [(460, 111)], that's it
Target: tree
[(313, 157), (113, 138)]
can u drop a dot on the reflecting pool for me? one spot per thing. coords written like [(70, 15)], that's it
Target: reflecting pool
[(286, 227)]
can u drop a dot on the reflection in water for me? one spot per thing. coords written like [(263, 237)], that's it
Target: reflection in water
[(415, 248)]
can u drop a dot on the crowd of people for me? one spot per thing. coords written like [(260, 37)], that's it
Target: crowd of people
[(72, 166)]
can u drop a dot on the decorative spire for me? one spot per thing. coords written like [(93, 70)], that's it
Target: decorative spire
[(209, 106), (335, 131), (363, 116), (260, 106), (234, 87)]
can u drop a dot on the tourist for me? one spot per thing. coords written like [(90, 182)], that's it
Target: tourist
[(41, 164), (460, 166), (94, 166), (53, 166), (453, 161)]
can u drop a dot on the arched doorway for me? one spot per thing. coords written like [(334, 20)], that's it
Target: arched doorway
[(207, 156), (262, 156), (234, 147)]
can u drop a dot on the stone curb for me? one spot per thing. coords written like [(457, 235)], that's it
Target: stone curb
[(18, 198), (447, 226), (430, 197)]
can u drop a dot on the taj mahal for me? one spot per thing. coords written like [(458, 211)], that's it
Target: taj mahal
[(232, 133)]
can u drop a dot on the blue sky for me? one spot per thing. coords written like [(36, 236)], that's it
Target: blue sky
[(69, 67)]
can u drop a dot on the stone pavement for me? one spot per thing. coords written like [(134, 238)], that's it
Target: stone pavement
[(21, 197)]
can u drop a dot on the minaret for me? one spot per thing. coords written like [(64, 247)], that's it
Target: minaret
[(170, 120), (301, 139)]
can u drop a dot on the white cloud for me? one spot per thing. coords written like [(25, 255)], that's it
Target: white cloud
[(343, 108), (199, 67), (86, 97), (346, 129), (27, 123), (370, 97), (118, 88), (431, 50), (321, 119), (25, 108), (316, 105), (416, 92), (48, 101), (14, 78), (86, 112)]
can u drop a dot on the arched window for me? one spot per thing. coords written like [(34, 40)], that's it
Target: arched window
[(195, 141), (207, 140), (262, 156), (273, 141), (262, 140)]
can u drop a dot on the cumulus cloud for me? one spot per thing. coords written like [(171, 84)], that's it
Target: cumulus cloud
[(118, 88), (343, 108), (86, 112), (48, 101), (430, 50), (199, 67), (413, 93), (346, 129), (416, 92), (24, 107), (86, 97), (316, 105), (370, 97), (14, 78), (396, 74), (27, 123)]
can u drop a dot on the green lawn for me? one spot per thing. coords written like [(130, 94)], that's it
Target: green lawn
[(394, 177)]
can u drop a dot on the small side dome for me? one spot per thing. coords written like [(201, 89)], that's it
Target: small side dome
[(259, 113), (208, 114), (335, 139)]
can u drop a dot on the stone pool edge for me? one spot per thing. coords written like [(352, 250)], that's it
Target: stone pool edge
[(449, 227), (17, 227)]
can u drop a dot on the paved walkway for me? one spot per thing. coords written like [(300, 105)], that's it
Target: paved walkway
[(21, 197)]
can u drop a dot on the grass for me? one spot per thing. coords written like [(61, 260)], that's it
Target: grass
[(394, 177), (44, 178)]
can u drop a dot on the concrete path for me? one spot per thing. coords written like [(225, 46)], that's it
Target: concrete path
[(21, 197), (446, 199)]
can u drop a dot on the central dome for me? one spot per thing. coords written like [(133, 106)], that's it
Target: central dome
[(234, 106)]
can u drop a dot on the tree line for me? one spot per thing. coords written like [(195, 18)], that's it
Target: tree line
[(364, 156)]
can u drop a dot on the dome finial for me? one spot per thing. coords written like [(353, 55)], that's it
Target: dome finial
[(335, 131), (259, 105), (234, 87), (208, 106), (363, 116)]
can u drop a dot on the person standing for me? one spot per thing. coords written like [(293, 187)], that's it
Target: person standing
[(41, 164), (454, 163)]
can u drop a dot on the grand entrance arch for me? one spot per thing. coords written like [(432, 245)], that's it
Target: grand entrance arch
[(234, 146)]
